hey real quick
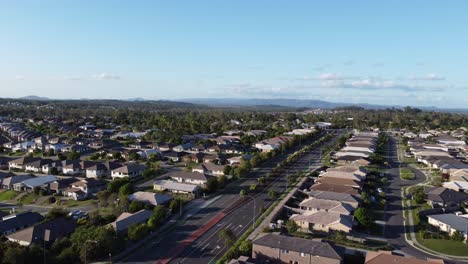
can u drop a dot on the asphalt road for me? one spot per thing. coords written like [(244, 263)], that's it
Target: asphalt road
[(394, 230), (208, 246)]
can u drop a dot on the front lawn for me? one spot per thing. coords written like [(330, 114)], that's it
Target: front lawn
[(7, 195), (450, 247), (74, 203), (406, 174), (29, 198)]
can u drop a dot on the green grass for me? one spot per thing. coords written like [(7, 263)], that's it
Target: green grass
[(450, 247), (73, 203), (7, 195), (406, 174), (29, 198)]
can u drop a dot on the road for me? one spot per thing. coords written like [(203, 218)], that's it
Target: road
[(394, 229), (178, 247)]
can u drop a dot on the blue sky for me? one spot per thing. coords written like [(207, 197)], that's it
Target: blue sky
[(384, 52)]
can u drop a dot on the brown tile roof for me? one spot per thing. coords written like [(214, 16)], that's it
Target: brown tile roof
[(334, 188)]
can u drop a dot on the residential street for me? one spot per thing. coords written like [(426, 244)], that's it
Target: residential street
[(394, 230), (179, 246)]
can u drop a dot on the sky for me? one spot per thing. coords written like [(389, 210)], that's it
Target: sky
[(381, 52)]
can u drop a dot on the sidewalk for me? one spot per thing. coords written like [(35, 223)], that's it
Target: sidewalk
[(279, 206), (413, 241)]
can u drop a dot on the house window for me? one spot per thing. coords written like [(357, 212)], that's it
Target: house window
[(285, 251)]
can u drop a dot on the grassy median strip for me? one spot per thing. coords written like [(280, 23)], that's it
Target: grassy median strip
[(406, 174)]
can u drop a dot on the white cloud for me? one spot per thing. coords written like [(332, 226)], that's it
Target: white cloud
[(106, 76), (101, 76), (428, 77), (19, 77), (330, 77)]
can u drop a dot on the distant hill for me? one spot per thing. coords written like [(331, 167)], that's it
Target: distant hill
[(35, 98), (304, 103), (296, 103)]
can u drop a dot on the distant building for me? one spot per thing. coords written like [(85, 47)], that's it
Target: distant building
[(272, 248)]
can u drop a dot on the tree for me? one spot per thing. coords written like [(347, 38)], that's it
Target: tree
[(245, 248), (135, 206), (56, 212), (227, 170), (175, 205), (253, 187), (363, 217), (291, 226), (73, 155), (148, 173), (54, 171), (15, 255), (222, 181), (126, 189), (261, 180), (212, 185), (242, 193), (134, 156), (114, 186), (228, 236), (117, 155), (457, 236), (103, 197), (159, 213), (273, 194), (138, 232)]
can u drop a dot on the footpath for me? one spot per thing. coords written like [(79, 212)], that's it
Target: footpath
[(409, 228)]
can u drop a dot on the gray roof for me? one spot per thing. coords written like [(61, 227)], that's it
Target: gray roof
[(334, 196), (188, 175), (125, 220), (456, 222), (38, 181), (296, 244), (19, 221), (173, 185)]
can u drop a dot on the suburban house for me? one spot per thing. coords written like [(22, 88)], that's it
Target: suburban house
[(315, 205), (443, 197), (99, 170), (83, 189), (72, 168), (130, 170), (327, 187), (210, 169), (35, 182), (323, 221), (125, 220), (335, 196), (59, 186), (272, 248), (45, 232), (271, 144), (357, 184), (150, 198), (20, 163), (189, 177), (458, 186), (176, 187), (36, 166), (47, 168), (8, 182), (15, 222), (450, 223), (387, 257)]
